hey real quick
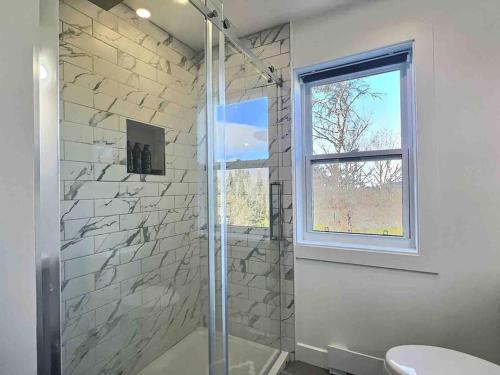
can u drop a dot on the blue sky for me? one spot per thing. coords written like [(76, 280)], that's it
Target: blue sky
[(385, 111), (247, 122), (246, 126)]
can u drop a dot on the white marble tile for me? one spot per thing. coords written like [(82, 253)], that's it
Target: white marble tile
[(80, 76), (110, 137), (157, 203), (138, 220), (138, 189), (71, 170), (75, 56), (76, 132), (151, 86), (112, 71), (77, 248), (122, 43), (78, 325), (106, 18), (77, 94), (145, 70), (118, 308), (140, 251), (118, 240), (75, 18), (87, 43), (131, 32), (76, 209), (77, 286), (75, 151), (92, 300), (123, 108), (157, 261), (90, 189), (90, 227), (90, 264), (89, 116), (117, 274), (106, 207)]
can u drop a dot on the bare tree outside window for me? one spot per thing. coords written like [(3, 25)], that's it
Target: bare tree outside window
[(247, 197), (357, 195)]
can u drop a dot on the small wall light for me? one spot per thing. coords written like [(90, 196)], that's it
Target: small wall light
[(43, 73)]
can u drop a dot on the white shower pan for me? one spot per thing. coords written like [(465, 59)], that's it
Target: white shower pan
[(190, 357)]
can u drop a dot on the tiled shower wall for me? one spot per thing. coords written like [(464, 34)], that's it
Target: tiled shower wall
[(261, 269), (130, 251)]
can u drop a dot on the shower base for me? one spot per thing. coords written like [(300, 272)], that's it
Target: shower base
[(190, 357)]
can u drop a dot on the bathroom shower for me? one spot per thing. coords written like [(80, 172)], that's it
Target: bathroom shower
[(168, 260)]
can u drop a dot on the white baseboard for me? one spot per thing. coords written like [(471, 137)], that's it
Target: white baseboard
[(311, 354), (340, 359), (351, 362)]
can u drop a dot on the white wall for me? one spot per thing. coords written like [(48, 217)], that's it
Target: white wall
[(17, 187), (457, 62)]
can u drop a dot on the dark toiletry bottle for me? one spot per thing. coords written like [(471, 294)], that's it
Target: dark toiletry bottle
[(137, 158), (130, 158), (146, 160)]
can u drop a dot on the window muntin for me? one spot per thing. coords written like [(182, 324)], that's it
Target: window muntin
[(379, 129)]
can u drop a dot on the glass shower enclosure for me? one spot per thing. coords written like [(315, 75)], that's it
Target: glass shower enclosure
[(170, 194)]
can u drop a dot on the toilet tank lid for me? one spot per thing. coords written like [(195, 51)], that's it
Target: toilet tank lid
[(433, 360)]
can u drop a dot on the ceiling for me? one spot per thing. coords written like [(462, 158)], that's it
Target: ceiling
[(253, 15), (183, 21)]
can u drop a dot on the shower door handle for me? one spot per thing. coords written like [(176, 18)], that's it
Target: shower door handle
[(275, 211)]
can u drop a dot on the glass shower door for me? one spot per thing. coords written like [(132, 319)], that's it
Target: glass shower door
[(251, 194), (176, 271), (139, 254)]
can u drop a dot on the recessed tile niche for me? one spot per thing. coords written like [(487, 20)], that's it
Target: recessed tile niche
[(143, 135)]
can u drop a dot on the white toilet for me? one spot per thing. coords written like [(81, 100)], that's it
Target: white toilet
[(432, 360)]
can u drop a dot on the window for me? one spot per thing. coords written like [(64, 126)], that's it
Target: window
[(246, 153), (357, 143)]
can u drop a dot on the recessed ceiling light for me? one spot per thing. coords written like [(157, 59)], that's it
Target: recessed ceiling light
[(182, 1), (143, 13)]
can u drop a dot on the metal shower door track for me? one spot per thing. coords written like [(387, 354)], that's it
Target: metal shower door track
[(229, 31)]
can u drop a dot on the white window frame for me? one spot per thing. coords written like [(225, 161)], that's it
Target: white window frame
[(304, 159)]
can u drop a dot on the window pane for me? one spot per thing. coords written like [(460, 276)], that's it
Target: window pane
[(364, 197), (247, 197), (246, 126), (361, 114)]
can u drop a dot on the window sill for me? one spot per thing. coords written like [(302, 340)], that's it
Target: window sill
[(379, 257)]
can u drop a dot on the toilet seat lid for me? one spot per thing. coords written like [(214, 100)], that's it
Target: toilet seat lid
[(433, 360)]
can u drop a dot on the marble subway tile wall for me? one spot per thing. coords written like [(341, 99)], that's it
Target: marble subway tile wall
[(129, 243), (261, 269)]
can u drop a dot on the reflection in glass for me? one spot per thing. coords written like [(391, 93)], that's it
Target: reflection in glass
[(364, 197), (246, 127), (247, 197)]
